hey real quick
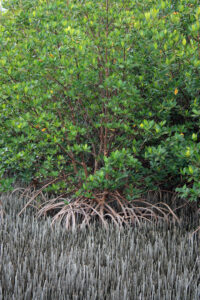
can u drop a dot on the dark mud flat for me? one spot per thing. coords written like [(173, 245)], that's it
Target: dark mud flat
[(146, 262)]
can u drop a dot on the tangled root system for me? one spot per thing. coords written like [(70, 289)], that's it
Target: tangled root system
[(116, 209)]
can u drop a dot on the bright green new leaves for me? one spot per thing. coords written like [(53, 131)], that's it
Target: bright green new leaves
[(103, 96)]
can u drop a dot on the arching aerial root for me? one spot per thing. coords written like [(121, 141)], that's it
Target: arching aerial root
[(116, 209)]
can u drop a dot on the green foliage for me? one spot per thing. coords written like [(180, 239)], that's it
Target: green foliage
[(103, 95)]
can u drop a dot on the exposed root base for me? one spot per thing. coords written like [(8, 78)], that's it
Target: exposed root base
[(116, 209)]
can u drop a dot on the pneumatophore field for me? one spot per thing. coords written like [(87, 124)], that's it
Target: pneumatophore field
[(147, 262)]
